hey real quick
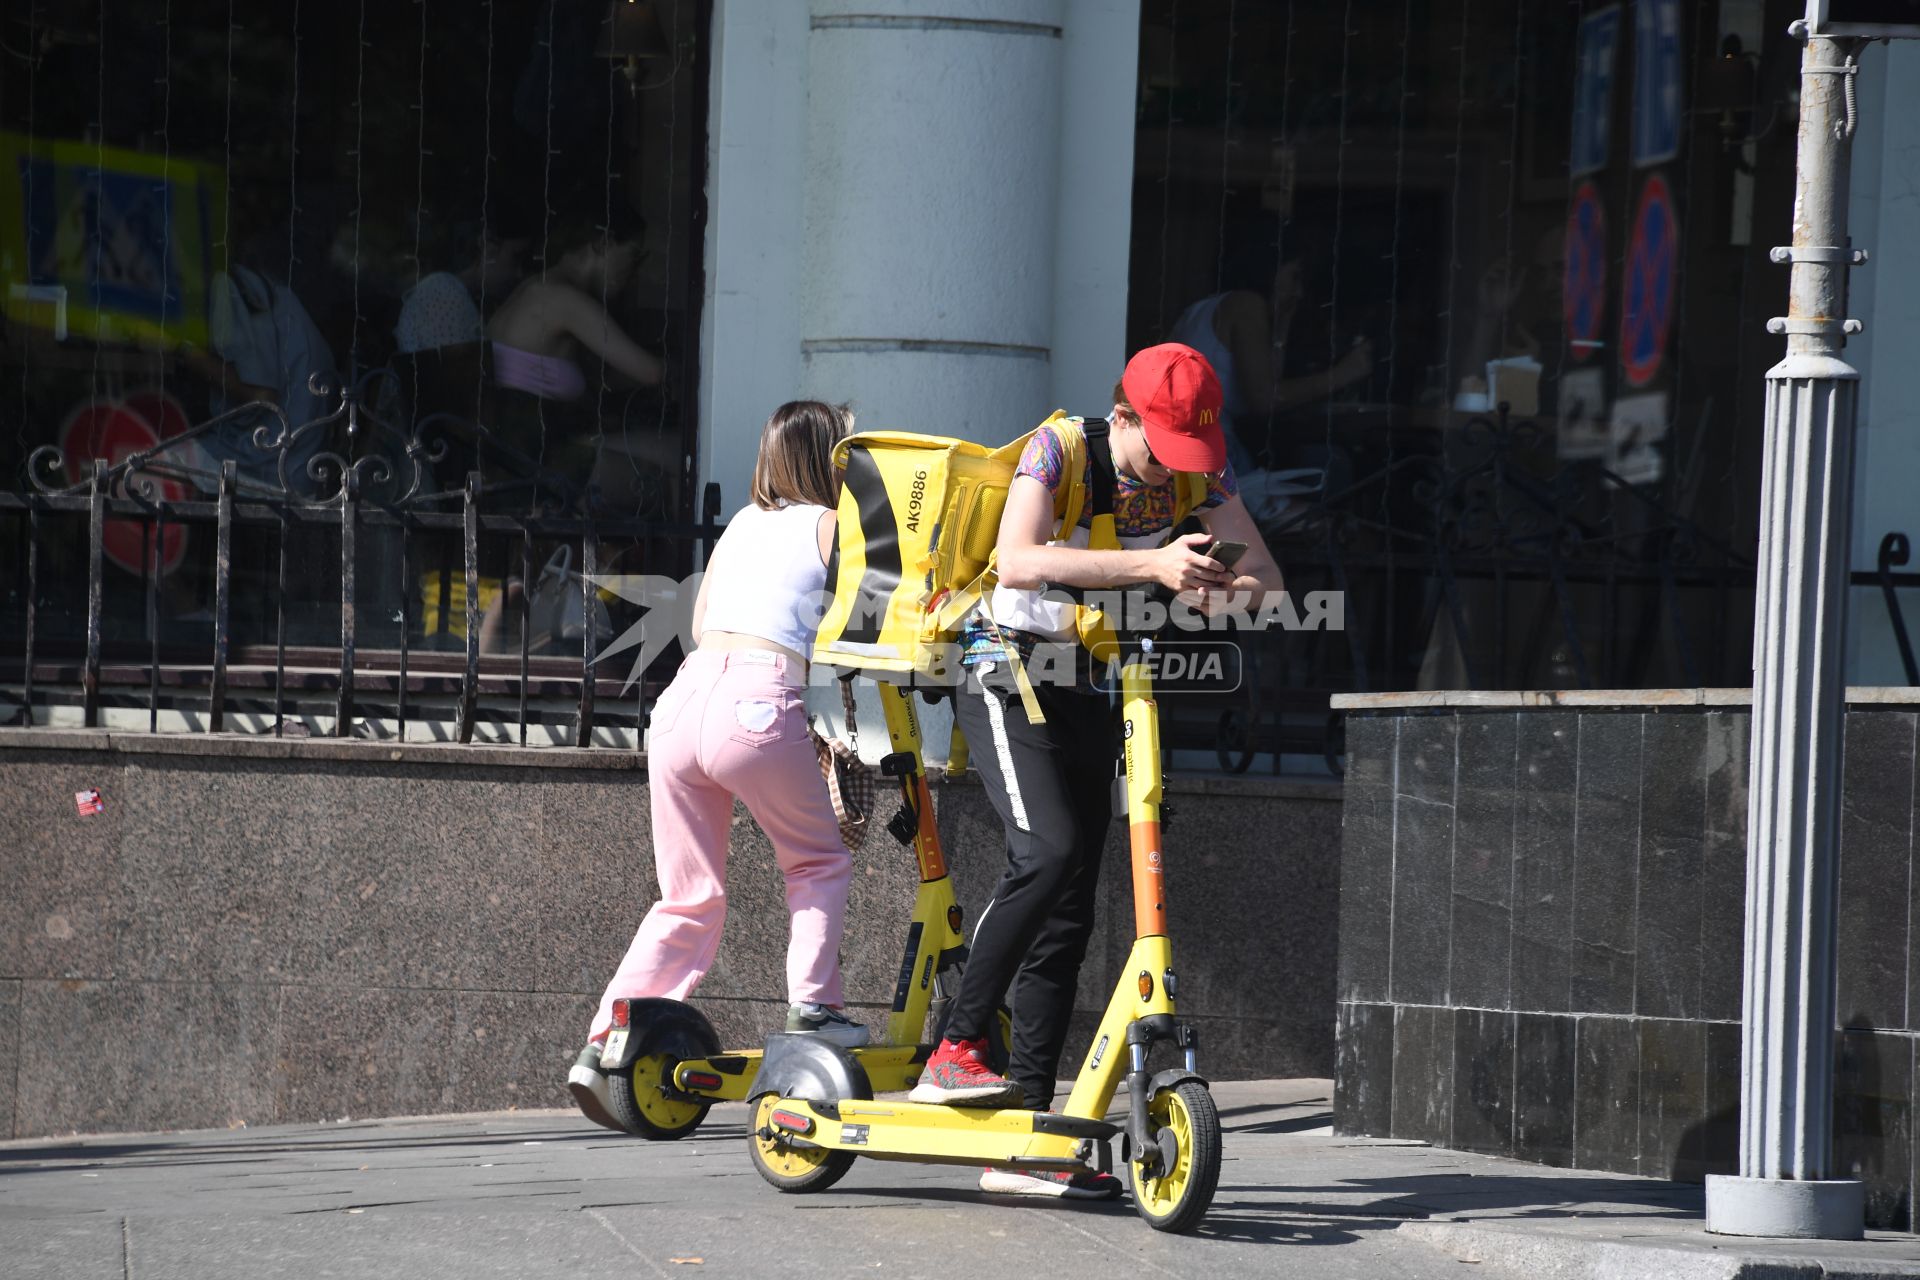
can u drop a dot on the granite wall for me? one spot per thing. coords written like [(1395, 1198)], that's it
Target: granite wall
[(257, 931), (1541, 917)]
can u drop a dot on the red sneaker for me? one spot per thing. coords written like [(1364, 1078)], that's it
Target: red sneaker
[(958, 1074)]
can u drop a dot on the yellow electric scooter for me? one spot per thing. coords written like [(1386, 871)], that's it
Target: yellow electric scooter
[(814, 1110), (663, 1059)]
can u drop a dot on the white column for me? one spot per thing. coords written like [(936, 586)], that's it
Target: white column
[(1092, 241), (921, 207), (932, 179), (756, 162)]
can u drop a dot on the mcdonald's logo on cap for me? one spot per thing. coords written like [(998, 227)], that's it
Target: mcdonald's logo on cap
[(1177, 397)]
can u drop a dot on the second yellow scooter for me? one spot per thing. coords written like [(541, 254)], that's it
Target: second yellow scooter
[(813, 1105), (663, 1060)]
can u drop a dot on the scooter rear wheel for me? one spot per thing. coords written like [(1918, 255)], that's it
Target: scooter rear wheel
[(787, 1167), (638, 1104), (1187, 1124)]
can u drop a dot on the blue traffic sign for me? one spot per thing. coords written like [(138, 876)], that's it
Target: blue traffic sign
[(1593, 90), (1657, 71)]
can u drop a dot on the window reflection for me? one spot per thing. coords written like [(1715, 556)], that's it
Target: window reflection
[(413, 241)]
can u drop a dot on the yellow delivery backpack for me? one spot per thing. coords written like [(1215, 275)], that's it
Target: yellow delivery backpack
[(919, 518)]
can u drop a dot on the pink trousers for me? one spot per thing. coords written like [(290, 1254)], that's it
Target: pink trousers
[(733, 723)]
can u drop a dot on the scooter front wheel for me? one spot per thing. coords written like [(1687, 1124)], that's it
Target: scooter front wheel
[(1173, 1192), (788, 1167), (638, 1103)]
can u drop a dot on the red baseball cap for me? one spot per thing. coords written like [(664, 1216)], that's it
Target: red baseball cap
[(1177, 395)]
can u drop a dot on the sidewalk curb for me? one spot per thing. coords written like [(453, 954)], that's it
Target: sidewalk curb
[(1548, 1255)]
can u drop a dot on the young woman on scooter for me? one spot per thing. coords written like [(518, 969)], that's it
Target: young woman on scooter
[(1051, 784), (733, 723)]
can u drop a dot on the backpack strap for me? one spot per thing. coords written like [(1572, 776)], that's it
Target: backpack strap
[(1102, 483), (953, 608), (1073, 446), (1189, 494)]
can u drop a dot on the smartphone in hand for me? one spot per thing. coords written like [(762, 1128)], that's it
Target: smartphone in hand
[(1227, 554)]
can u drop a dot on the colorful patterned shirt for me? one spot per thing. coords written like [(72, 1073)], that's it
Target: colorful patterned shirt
[(1140, 510)]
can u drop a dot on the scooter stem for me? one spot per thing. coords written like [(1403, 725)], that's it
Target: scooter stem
[(903, 735), (1141, 733)]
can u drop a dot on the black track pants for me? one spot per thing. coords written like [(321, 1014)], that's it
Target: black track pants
[(1052, 785)]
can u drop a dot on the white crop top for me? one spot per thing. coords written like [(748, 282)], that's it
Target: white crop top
[(767, 576)]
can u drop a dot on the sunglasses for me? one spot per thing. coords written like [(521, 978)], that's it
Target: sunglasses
[(1145, 444)]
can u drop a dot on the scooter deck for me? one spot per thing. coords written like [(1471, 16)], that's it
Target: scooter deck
[(729, 1077), (930, 1133)]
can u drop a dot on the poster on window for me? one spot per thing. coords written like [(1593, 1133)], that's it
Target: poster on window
[(107, 243)]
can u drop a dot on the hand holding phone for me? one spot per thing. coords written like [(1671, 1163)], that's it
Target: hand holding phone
[(1226, 554)]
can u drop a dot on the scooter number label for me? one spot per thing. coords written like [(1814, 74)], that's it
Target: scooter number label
[(616, 1045)]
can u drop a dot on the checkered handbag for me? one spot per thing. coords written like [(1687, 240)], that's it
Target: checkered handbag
[(850, 781)]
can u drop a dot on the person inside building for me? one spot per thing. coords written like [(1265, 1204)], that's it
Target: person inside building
[(557, 320), (733, 723), (549, 332), (1243, 334), (264, 349), (1051, 784), (444, 309)]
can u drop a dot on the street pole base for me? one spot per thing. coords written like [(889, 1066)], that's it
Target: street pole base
[(1785, 1209)]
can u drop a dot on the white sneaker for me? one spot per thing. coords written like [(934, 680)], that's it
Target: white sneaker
[(1083, 1184), (588, 1085), (808, 1018)]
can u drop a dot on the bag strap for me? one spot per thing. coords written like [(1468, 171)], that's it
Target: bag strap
[(1101, 534), (1022, 682), (846, 704), (1073, 464), (962, 600), (1190, 493), (1097, 432)]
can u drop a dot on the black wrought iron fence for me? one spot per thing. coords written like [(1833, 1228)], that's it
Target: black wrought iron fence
[(385, 499), (1567, 577), (1477, 560), (1519, 576)]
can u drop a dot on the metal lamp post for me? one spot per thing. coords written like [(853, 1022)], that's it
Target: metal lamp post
[(1784, 1187)]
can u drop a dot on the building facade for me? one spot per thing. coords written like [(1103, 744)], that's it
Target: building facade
[(1384, 220), (290, 446)]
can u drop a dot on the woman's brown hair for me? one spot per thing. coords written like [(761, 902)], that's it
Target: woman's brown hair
[(796, 454)]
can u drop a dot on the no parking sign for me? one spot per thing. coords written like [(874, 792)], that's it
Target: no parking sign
[(1584, 288), (112, 431), (1648, 288)]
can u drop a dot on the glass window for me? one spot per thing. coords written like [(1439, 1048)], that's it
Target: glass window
[(1384, 219), (414, 242)]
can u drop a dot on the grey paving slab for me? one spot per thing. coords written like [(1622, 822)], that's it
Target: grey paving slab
[(539, 1193), (79, 1247), (462, 1244)]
